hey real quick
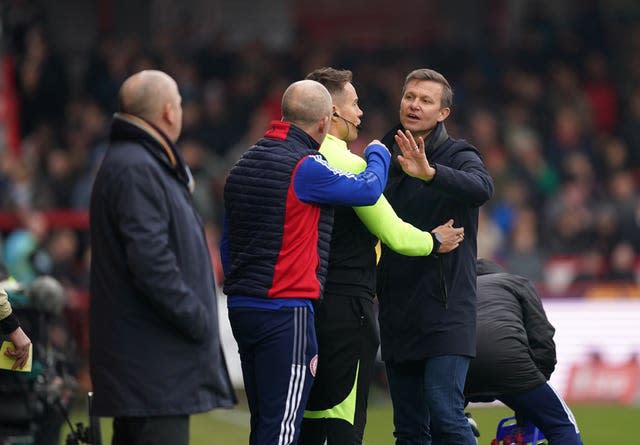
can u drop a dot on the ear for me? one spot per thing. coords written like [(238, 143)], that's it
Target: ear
[(167, 114), (444, 113), (324, 125), (334, 112)]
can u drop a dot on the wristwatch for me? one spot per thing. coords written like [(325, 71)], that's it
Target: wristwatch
[(437, 241)]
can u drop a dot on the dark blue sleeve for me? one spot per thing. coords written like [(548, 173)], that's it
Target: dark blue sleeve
[(224, 247), (316, 181)]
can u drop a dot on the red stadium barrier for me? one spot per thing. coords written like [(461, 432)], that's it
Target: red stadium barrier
[(57, 218)]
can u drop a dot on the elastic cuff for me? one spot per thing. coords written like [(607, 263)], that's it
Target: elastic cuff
[(9, 324)]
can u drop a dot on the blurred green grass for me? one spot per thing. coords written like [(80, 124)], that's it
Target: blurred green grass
[(599, 424)]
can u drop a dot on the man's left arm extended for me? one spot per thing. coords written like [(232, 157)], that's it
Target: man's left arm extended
[(315, 181)]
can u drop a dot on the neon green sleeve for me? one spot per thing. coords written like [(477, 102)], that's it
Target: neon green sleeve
[(380, 218), (390, 229)]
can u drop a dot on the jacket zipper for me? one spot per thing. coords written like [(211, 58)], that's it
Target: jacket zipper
[(443, 284)]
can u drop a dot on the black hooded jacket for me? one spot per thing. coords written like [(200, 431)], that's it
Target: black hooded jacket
[(516, 351), (428, 304)]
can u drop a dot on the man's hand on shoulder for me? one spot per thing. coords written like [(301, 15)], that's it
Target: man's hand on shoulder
[(450, 237), (376, 143)]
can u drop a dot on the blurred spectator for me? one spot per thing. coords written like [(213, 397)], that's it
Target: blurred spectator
[(568, 220), (541, 177), (622, 263), (490, 237), (612, 154), (623, 194), (569, 135), (108, 66), (606, 228), (600, 92), (195, 156), (590, 268), (63, 248), (41, 82), (629, 126), (23, 249), (54, 186), (525, 257), (515, 195)]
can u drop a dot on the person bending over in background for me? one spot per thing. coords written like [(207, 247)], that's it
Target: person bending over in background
[(516, 355)]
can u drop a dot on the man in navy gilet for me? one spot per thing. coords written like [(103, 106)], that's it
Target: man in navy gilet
[(278, 221)]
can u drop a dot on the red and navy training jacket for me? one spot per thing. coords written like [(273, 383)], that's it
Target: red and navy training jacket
[(278, 214)]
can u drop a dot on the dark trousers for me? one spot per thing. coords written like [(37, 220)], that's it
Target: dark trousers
[(347, 346), (278, 352), (548, 411), (161, 430)]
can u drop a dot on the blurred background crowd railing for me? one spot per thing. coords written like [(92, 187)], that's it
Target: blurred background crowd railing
[(548, 91)]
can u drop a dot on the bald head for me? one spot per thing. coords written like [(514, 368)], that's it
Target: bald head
[(151, 95), (305, 103)]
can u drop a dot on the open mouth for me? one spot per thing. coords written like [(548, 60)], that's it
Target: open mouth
[(413, 117)]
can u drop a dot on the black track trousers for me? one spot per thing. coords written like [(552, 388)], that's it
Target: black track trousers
[(348, 341)]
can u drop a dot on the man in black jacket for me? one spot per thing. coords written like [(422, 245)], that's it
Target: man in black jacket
[(345, 319), (516, 354), (155, 352), (428, 304)]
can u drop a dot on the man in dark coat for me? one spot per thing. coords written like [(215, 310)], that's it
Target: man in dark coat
[(428, 304), (516, 354), (155, 352)]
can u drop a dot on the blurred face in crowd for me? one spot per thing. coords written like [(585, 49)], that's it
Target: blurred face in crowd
[(420, 107), (346, 106)]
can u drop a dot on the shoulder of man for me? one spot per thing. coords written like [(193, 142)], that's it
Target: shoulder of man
[(342, 159)]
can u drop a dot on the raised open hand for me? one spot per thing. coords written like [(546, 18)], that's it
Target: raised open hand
[(413, 159)]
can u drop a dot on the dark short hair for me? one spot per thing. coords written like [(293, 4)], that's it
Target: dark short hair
[(334, 80), (427, 74)]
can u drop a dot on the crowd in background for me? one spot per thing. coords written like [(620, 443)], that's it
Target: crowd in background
[(555, 114)]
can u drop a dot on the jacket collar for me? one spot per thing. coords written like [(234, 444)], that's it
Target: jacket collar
[(126, 126), (283, 130), (337, 142), (436, 138)]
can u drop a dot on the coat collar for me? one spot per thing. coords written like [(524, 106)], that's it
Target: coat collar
[(128, 126), (436, 138), (283, 130)]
